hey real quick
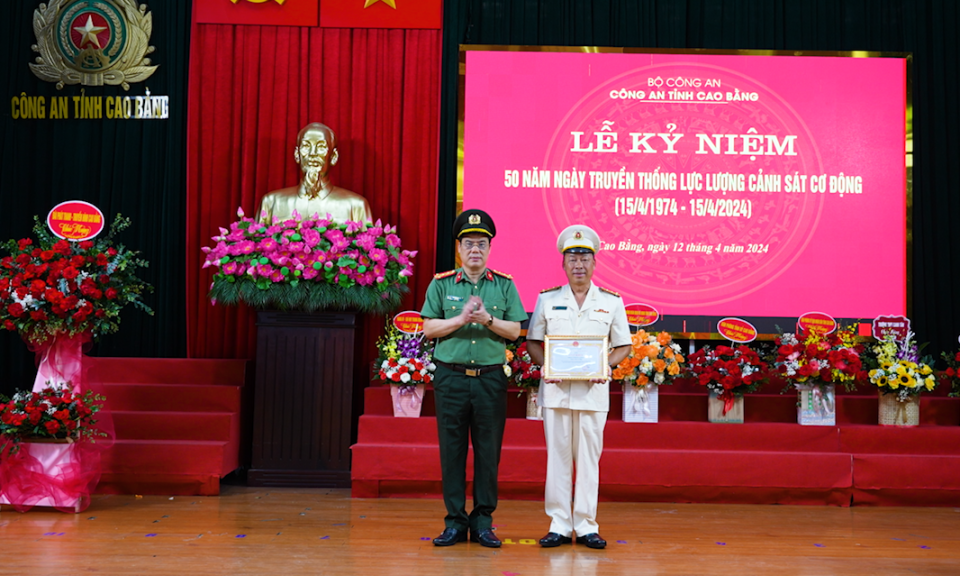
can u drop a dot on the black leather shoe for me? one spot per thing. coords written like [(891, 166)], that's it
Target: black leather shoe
[(485, 537), (592, 541), (450, 536), (552, 540)]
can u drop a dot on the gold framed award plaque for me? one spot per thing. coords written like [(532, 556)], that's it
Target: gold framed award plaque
[(575, 357)]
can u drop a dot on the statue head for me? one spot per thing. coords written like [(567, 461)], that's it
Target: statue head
[(316, 148)]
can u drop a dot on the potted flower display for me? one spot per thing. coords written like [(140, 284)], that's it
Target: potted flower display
[(309, 264), (654, 360), (405, 363), (525, 375), (58, 295), (728, 373), (900, 376), (814, 366), (45, 439)]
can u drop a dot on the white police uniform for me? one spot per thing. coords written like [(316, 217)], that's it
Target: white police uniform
[(575, 411)]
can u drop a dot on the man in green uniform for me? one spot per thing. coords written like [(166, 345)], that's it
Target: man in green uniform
[(471, 311)]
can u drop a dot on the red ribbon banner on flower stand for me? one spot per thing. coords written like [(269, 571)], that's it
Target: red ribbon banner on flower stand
[(641, 314), (816, 322), (409, 322), (75, 220), (737, 330), (897, 326)]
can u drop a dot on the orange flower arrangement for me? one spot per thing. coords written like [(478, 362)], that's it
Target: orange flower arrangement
[(653, 358)]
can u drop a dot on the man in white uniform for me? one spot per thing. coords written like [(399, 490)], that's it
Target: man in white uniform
[(575, 411)]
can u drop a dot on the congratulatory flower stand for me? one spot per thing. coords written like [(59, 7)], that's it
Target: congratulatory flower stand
[(59, 295)]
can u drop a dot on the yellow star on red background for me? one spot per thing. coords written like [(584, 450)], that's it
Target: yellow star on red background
[(89, 33), (390, 3)]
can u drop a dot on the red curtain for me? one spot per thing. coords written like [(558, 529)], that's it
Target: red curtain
[(251, 90)]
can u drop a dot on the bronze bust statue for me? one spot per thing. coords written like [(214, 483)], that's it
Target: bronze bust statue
[(316, 152)]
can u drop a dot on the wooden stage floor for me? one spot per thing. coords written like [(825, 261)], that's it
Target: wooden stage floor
[(297, 531)]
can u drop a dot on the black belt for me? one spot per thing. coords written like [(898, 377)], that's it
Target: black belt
[(469, 370)]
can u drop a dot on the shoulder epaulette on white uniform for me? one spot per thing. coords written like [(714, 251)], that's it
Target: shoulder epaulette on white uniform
[(551, 289), (617, 294), (444, 274)]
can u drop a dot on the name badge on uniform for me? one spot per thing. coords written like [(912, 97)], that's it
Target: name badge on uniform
[(602, 311), (455, 298), (559, 307)]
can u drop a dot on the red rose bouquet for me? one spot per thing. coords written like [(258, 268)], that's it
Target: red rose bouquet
[(59, 288), (55, 412), (728, 372), (951, 375), (523, 372)]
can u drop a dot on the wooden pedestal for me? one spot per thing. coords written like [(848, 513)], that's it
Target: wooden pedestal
[(304, 394)]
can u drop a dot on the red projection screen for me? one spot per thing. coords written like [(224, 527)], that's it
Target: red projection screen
[(761, 186)]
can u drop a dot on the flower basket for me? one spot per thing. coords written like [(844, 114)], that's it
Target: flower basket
[(405, 362), (816, 404), (48, 454), (896, 412), (641, 403), (900, 375), (534, 411), (728, 373), (653, 358), (309, 265), (49, 449), (407, 400), (722, 410), (820, 359)]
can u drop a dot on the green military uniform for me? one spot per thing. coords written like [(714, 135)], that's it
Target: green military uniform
[(471, 405)]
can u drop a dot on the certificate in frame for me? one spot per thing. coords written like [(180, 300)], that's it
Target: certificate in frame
[(575, 357)]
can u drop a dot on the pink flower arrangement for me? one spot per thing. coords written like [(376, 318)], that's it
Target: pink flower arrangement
[(284, 264)]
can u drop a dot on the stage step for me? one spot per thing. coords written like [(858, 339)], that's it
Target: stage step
[(170, 370), (143, 397), (178, 423), (134, 425), (687, 402), (687, 461)]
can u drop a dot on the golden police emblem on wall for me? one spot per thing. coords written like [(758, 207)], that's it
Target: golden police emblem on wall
[(93, 42)]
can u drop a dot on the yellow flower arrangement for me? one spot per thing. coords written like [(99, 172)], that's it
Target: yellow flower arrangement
[(899, 369)]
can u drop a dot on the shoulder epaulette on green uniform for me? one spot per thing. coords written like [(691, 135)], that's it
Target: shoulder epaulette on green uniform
[(444, 274), (551, 289), (499, 273), (617, 294)]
